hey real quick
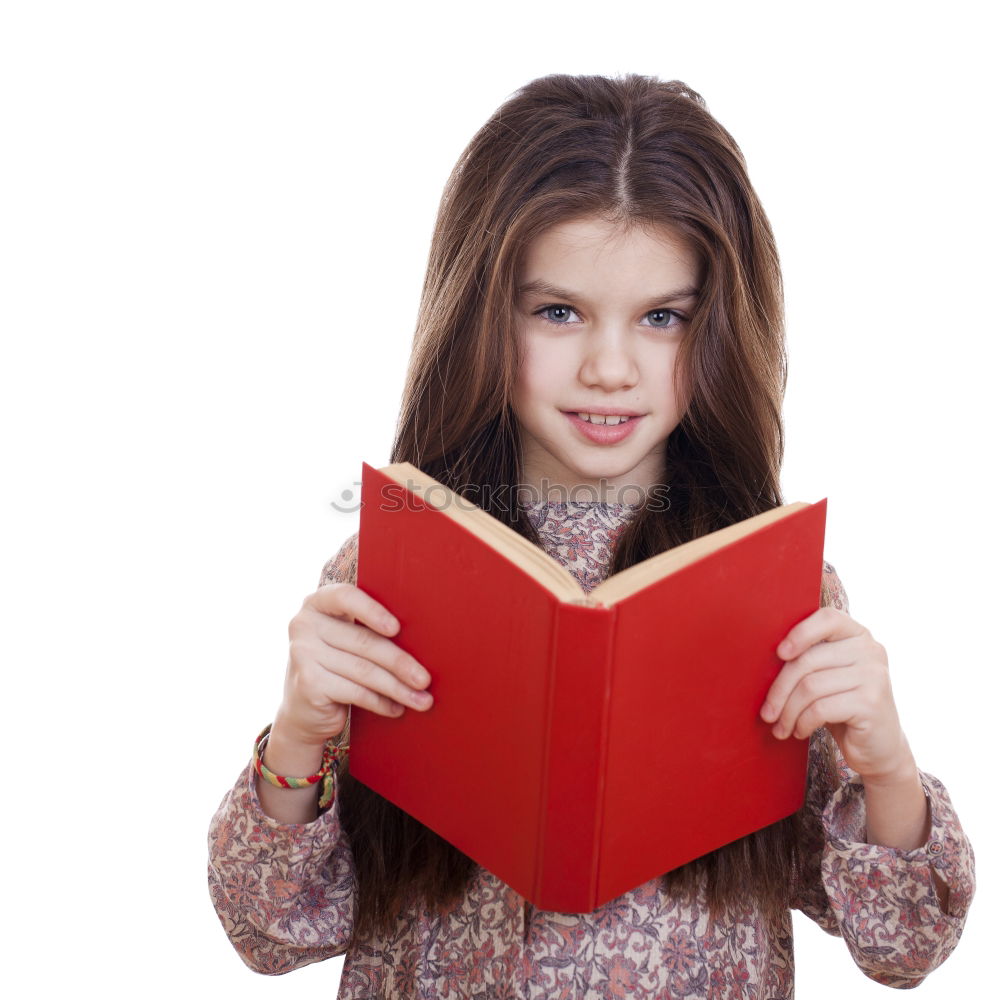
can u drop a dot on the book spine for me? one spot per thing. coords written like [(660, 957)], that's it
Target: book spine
[(572, 791)]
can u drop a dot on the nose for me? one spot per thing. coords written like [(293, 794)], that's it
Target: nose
[(609, 360)]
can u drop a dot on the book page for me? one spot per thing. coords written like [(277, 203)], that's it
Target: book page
[(535, 562), (635, 578), (549, 573)]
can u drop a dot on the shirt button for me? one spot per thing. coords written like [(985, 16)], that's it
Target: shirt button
[(935, 847)]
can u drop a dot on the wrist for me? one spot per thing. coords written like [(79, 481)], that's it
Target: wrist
[(286, 752), (901, 773), (287, 729)]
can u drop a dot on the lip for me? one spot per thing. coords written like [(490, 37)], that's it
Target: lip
[(602, 433), (605, 411)]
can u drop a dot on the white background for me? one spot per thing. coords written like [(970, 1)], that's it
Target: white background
[(215, 219)]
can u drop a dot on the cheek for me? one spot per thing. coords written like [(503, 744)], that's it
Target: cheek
[(675, 380), (524, 394), (521, 387), (678, 391), (684, 393), (538, 375)]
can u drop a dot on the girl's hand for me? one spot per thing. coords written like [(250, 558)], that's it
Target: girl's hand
[(334, 662), (836, 675)]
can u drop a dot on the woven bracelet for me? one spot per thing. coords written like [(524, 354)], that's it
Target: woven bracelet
[(324, 776)]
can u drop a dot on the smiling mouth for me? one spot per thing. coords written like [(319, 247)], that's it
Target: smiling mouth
[(604, 433), (603, 419)]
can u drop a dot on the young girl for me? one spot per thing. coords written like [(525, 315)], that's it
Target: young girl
[(602, 318)]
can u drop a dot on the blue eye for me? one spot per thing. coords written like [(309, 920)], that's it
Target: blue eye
[(668, 314), (557, 308), (558, 315)]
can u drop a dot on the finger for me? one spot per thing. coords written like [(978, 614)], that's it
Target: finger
[(835, 653), (374, 662), (825, 624), (380, 650), (335, 687), (813, 689), (345, 601), (839, 707)]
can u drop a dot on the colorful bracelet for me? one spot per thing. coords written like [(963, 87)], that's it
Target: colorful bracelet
[(331, 751)]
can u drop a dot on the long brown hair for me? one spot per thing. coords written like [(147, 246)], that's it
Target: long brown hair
[(637, 151)]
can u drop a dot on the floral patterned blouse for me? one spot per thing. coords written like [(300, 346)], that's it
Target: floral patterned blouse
[(284, 893)]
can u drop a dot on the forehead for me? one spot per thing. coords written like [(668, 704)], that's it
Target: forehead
[(594, 248)]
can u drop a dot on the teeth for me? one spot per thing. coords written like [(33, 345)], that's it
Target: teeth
[(596, 418)]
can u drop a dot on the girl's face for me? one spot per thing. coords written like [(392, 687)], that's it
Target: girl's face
[(600, 314)]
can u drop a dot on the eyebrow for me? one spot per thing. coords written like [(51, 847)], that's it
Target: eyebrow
[(553, 291)]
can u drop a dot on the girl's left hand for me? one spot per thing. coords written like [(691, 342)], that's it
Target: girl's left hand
[(836, 675)]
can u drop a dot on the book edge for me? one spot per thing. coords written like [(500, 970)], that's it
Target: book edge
[(602, 771), (543, 785)]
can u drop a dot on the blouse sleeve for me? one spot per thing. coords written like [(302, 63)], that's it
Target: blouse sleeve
[(881, 900), (283, 892)]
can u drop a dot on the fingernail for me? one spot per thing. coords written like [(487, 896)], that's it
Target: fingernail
[(767, 712), (785, 648), (420, 698)]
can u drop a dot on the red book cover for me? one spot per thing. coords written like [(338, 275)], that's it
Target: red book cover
[(579, 745)]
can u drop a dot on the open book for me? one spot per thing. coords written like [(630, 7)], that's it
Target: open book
[(580, 745)]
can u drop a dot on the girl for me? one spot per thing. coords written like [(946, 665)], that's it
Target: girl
[(602, 314)]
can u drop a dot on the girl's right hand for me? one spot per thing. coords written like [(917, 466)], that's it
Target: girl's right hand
[(334, 662)]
